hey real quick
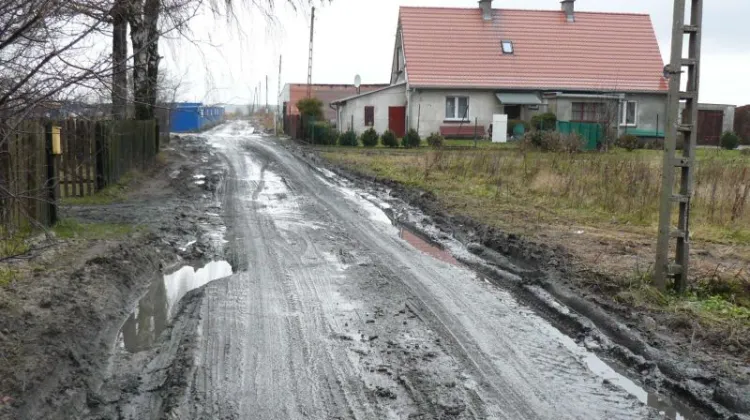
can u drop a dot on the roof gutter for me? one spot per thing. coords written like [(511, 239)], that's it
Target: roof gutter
[(584, 95), (539, 89)]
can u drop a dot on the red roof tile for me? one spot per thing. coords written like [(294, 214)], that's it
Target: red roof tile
[(450, 47)]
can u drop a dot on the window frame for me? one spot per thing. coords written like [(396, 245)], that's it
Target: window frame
[(589, 109), (456, 107), (372, 122), (624, 114), (505, 42)]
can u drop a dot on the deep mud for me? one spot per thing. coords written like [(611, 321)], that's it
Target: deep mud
[(59, 325), (700, 384)]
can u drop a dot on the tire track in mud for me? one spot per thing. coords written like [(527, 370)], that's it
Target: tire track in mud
[(333, 316), (536, 357)]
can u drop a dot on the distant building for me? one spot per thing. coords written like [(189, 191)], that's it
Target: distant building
[(293, 92), (186, 117)]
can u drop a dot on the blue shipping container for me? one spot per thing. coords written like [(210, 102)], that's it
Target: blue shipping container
[(193, 116), (186, 117)]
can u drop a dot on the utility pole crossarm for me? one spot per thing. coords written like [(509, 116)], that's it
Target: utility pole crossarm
[(687, 129)]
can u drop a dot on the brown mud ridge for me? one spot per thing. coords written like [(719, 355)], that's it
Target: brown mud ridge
[(665, 362), (59, 322)]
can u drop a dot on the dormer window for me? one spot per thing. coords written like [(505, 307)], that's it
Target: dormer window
[(507, 47)]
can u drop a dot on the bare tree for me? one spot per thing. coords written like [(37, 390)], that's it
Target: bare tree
[(146, 18), (119, 59), (44, 51)]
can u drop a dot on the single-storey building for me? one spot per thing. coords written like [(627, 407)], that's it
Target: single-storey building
[(457, 68), (327, 93)]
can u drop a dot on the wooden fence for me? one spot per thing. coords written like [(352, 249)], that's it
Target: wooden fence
[(92, 155)]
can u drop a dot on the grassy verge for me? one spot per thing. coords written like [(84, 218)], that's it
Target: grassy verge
[(70, 229), (13, 244), (546, 196), (7, 276)]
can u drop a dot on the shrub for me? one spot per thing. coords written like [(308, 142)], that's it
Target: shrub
[(411, 139), (370, 138), (730, 141), (513, 123), (323, 133), (628, 142), (310, 107), (553, 141), (544, 122), (435, 140), (348, 138), (389, 139)]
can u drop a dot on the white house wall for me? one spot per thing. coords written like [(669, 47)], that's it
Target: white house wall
[(427, 110), (354, 109)]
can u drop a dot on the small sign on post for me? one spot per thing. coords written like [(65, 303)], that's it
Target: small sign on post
[(56, 146)]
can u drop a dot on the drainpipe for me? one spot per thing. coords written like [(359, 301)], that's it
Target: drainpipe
[(408, 107), (335, 107)]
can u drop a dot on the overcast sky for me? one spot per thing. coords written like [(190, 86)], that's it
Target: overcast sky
[(224, 63)]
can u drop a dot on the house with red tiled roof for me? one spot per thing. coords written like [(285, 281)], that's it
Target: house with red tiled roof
[(455, 69)]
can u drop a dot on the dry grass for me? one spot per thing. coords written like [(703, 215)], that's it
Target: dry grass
[(545, 195), (611, 188)]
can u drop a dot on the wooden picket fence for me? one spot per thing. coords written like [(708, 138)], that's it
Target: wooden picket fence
[(24, 187), (93, 155)]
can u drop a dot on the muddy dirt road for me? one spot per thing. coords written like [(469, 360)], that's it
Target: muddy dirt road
[(334, 312)]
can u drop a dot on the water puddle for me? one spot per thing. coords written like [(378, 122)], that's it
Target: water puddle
[(155, 310), (426, 246)]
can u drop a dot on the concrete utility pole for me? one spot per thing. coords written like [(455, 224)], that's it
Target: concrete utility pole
[(685, 163), (267, 94), (278, 104), (310, 56)]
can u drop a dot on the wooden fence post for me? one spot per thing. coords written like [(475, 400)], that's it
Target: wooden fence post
[(100, 158), (157, 138), (52, 183)]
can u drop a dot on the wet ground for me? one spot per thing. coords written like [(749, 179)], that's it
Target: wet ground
[(324, 308)]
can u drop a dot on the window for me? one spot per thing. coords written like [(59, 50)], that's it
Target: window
[(589, 112), (507, 47), (629, 113), (457, 108), (369, 116)]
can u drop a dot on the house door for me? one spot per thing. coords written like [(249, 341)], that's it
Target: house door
[(397, 120), (709, 127)]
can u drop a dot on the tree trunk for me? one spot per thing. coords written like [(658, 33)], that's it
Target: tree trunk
[(151, 15), (119, 61), (144, 20), (139, 38)]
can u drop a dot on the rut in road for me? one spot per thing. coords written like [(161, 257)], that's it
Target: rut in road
[(332, 315)]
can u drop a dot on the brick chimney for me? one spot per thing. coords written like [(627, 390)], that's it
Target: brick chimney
[(568, 7), (486, 7)]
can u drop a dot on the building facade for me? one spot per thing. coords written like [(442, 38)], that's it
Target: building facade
[(455, 69)]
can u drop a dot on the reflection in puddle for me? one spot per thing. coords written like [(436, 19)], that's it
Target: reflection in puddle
[(425, 246), (155, 309)]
